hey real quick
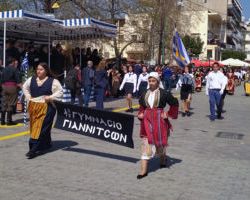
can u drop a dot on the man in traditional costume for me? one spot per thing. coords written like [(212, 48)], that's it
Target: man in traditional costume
[(155, 126)]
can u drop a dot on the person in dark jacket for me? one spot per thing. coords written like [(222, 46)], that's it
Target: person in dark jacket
[(101, 81), (73, 83), (11, 50), (57, 64), (88, 74), (10, 81)]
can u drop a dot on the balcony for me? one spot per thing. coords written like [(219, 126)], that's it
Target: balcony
[(231, 22), (230, 47), (236, 35), (235, 10)]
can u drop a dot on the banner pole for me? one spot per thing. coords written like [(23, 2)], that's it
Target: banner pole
[(4, 43)]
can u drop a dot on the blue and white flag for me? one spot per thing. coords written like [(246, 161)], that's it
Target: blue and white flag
[(179, 51), (25, 63)]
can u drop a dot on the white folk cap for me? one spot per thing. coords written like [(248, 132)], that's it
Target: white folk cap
[(154, 75)]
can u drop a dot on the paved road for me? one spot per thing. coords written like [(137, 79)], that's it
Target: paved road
[(201, 166)]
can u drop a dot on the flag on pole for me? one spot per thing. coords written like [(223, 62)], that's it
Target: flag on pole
[(179, 51), (25, 68), (25, 63)]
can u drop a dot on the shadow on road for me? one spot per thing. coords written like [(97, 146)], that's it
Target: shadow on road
[(102, 154), (154, 163), (61, 144), (58, 145)]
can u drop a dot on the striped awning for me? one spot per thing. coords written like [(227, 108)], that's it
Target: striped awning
[(108, 30), (24, 22), (21, 14)]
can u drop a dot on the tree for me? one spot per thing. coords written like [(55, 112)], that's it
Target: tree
[(193, 45), (233, 54), (6, 5)]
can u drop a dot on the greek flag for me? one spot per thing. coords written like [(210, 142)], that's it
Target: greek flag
[(179, 51), (25, 63)]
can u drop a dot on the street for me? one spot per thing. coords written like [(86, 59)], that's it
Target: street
[(206, 161)]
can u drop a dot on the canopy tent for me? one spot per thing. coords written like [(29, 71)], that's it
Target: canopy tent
[(199, 63), (196, 63), (96, 27), (210, 63), (43, 25), (235, 63), (242, 63), (229, 61)]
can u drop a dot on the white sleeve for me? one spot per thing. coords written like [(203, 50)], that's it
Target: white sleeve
[(123, 82), (207, 83), (139, 82), (26, 89), (225, 80), (178, 84), (57, 90), (135, 81)]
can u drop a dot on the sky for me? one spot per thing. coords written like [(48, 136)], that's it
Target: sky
[(246, 8)]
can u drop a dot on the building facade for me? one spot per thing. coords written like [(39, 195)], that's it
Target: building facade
[(247, 42), (217, 23)]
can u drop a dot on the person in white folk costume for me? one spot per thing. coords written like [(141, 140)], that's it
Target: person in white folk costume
[(129, 85), (142, 84)]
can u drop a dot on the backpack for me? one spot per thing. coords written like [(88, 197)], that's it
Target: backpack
[(71, 79)]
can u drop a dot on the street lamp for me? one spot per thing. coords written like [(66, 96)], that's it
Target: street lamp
[(55, 5)]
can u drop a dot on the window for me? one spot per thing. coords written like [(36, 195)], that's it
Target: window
[(133, 23), (134, 37), (209, 54), (145, 22), (121, 38)]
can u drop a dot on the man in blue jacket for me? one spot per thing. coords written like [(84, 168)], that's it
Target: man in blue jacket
[(88, 75), (167, 78)]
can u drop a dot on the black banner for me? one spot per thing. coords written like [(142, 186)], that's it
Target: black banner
[(105, 125)]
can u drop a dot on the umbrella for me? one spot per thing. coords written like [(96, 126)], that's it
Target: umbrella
[(210, 63), (196, 62)]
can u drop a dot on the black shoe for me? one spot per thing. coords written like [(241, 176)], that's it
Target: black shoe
[(183, 114), (130, 110), (220, 117), (28, 154), (141, 176), (163, 166), (11, 123), (212, 119), (9, 119), (32, 155), (3, 118), (188, 113)]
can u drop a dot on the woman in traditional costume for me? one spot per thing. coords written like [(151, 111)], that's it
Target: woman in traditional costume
[(198, 81), (40, 91), (155, 126), (231, 82)]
